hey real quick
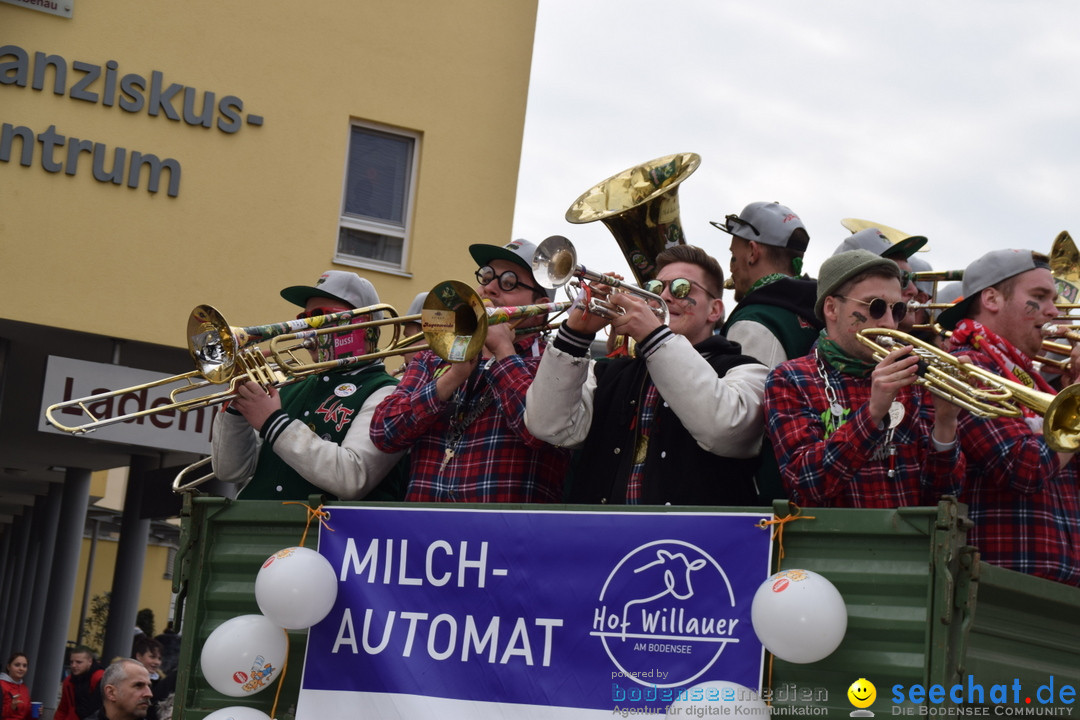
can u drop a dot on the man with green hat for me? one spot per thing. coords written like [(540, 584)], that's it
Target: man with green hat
[(1023, 496), (852, 431)]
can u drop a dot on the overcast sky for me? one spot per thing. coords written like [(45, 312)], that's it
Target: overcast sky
[(954, 119)]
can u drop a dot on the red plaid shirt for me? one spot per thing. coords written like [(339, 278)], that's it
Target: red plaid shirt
[(496, 458), (1024, 504), (850, 466)]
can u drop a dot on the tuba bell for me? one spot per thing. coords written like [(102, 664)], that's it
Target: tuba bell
[(640, 206)]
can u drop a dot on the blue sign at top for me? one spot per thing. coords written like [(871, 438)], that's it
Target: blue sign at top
[(545, 608)]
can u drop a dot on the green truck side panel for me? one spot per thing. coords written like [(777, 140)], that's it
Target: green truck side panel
[(922, 610)]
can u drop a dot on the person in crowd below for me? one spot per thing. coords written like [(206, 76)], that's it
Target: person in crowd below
[(125, 690), (872, 240), (79, 694), (149, 652), (15, 704), (1021, 494), (463, 421), (680, 422), (774, 320), (312, 436), (851, 431)]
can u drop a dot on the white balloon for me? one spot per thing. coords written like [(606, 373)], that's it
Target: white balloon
[(237, 712), (727, 698), (244, 655), (296, 588), (799, 616)]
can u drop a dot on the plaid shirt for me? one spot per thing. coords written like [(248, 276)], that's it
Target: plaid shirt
[(1024, 504), (496, 458), (850, 466)]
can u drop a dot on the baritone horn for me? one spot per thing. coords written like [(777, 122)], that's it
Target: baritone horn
[(982, 392), (555, 264), (640, 206)]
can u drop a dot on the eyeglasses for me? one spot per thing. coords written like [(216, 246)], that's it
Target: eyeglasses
[(878, 306), (508, 280), (728, 219), (680, 287), (906, 276)]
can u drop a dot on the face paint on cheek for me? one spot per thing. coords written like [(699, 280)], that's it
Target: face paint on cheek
[(1032, 307), (858, 318)]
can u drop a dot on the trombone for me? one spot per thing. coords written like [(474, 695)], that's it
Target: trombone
[(959, 383), (555, 264), (455, 320), (226, 354)]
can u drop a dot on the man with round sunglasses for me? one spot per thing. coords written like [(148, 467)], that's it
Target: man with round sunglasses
[(462, 422), (1022, 495), (852, 431), (774, 319), (312, 436), (680, 423), (873, 240)]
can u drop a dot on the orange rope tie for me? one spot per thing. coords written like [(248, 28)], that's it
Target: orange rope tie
[(778, 535), (322, 515), (778, 531)]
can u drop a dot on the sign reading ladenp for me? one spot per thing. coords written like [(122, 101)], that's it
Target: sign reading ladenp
[(546, 614)]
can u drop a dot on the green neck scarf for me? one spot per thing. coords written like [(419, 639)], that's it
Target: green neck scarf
[(765, 280), (832, 353)]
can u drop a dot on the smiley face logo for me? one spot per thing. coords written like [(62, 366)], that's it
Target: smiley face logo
[(862, 693)]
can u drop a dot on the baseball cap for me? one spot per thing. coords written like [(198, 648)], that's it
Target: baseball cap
[(347, 287), (919, 265), (875, 241), (417, 304), (987, 271), (769, 223), (519, 252), (841, 267)]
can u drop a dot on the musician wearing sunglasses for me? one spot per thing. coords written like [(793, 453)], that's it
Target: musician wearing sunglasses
[(312, 436), (463, 422), (873, 240), (680, 422), (1022, 495), (850, 431)]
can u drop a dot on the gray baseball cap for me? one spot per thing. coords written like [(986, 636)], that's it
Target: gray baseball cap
[(766, 222), (987, 271), (875, 241), (919, 265), (348, 287)]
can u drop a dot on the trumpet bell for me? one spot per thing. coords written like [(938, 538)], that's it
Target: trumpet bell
[(640, 206), (1065, 266), (1062, 420), (554, 262), (211, 344)]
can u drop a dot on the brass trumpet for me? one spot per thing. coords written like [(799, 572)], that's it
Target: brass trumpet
[(956, 381), (555, 264)]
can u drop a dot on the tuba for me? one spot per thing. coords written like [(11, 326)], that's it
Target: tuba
[(640, 206)]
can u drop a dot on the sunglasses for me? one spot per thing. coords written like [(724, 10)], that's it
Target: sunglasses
[(508, 280), (729, 219), (878, 306), (680, 287), (906, 277)]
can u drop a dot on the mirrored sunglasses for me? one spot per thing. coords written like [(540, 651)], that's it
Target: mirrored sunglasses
[(878, 306), (680, 287)]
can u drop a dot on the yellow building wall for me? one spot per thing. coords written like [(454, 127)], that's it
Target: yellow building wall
[(257, 210)]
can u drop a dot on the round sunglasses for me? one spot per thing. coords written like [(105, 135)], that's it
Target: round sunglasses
[(878, 306), (508, 280)]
